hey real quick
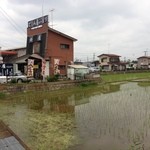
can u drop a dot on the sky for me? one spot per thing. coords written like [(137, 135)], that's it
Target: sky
[(120, 27)]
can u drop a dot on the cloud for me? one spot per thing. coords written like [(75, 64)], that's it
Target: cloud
[(113, 26)]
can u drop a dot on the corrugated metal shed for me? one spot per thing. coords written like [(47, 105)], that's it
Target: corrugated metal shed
[(10, 143), (75, 72)]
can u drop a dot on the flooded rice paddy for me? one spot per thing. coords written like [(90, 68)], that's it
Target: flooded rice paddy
[(105, 117)]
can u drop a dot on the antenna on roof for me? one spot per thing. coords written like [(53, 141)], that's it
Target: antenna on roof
[(145, 52), (51, 18), (108, 47), (43, 8)]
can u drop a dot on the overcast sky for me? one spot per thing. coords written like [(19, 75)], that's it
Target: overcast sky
[(119, 27)]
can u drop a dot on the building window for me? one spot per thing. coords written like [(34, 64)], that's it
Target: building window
[(39, 37), (104, 60), (30, 39), (62, 67), (64, 46), (36, 48)]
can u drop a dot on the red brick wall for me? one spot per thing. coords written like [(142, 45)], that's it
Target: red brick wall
[(52, 48), (43, 29), (55, 52)]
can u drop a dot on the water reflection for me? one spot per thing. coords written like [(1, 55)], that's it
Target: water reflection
[(65, 102), (45, 120), (115, 121)]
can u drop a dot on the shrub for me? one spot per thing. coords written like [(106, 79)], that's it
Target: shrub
[(86, 84), (2, 95), (13, 81), (52, 78)]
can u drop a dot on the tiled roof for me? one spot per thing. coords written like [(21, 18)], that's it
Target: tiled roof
[(144, 57), (109, 55), (62, 34)]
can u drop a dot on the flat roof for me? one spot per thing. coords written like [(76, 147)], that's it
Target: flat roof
[(109, 55), (8, 52), (78, 66), (14, 49)]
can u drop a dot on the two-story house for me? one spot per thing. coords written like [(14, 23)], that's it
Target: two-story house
[(49, 50), (111, 62), (144, 62)]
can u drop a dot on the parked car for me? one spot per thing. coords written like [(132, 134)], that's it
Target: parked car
[(19, 78), (3, 79), (94, 69)]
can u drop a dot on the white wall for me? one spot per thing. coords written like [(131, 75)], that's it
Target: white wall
[(70, 73)]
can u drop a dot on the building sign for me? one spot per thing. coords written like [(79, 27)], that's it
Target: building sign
[(30, 67), (37, 22), (56, 64), (6, 69)]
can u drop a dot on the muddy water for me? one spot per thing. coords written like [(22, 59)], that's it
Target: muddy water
[(115, 121), (108, 117)]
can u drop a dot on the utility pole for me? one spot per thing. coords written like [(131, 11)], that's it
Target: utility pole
[(1, 58), (108, 47), (93, 56), (87, 59)]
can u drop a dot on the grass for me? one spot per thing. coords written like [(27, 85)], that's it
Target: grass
[(124, 76), (2, 95)]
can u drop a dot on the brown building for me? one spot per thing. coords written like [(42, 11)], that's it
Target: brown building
[(50, 50)]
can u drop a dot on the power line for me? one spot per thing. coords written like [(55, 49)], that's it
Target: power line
[(12, 22)]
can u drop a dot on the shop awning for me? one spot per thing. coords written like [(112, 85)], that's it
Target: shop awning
[(23, 59), (36, 56)]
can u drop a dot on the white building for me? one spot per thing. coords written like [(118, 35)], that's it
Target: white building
[(75, 72)]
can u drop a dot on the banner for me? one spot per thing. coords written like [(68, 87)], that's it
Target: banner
[(30, 67), (43, 67), (56, 64)]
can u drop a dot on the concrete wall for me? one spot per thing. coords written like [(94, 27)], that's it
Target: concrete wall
[(45, 86)]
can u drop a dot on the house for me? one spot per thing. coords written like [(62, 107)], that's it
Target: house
[(75, 72), (111, 62), (49, 50), (143, 62)]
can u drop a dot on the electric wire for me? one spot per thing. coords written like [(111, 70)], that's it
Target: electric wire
[(12, 21), (20, 31)]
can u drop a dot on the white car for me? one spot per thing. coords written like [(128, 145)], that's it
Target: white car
[(19, 78), (3, 79), (94, 69)]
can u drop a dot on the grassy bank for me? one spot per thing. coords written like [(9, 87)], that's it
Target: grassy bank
[(124, 76)]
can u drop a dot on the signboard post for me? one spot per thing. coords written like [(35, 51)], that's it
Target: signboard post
[(30, 67)]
